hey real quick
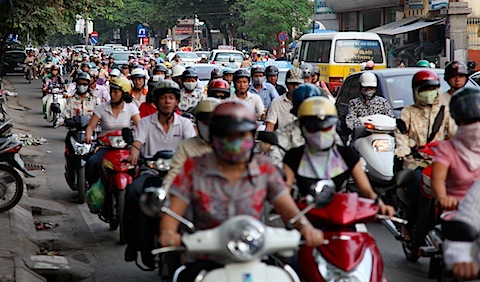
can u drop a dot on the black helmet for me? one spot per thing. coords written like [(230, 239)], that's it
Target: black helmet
[(83, 75), (257, 69), (189, 73), (216, 73), (455, 68), (241, 73), (465, 105), (271, 70), (161, 67)]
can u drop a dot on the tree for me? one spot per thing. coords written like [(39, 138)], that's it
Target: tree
[(264, 19)]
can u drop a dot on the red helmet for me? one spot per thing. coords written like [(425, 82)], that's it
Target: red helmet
[(236, 116), (425, 77), (218, 85)]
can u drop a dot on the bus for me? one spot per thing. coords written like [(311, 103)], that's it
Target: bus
[(338, 54)]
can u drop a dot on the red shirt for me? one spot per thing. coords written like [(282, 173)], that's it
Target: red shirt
[(147, 109)]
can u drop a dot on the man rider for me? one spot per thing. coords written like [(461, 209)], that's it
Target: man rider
[(368, 103), (162, 131), (111, 63), (190, 95), (456, 75), (31, 58), (139, 91), (241, 80), (266, 91), (272, 78), (228, 76), (82, 103), (161, 70)]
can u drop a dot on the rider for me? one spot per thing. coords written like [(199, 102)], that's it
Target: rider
[(279, 113), (272, 78), (31, 58), (321, 157), (219, 89), (265, 90), (229, 174), (99, 91), (456, 75), (246, 63), (113, 115), (455, 164), (368, 103), (241, 80), (82, 103), (203, 59), (423, 64), (149, 108), (308, 72), (190, 95), (111, 63), (231, 63), (162, 131), (160, 70), (139, 91), (415, 128), (228, 76)]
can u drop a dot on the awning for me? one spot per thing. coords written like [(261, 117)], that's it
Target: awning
[(181, 37), (408, 27), (340, 6), (395, 24)]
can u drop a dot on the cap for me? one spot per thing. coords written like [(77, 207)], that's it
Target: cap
[(294, 75)]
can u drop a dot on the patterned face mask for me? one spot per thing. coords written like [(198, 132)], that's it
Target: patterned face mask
[(319, 140), (428, 96), (233, 150), (368, 94)]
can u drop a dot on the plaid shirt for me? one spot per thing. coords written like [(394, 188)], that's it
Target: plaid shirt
[(189, 101), (358, 108)]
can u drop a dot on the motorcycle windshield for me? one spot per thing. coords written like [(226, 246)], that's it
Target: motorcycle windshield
[(81, 122)]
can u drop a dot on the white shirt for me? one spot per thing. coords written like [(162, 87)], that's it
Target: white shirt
[(154, 138), (110, 122), (101, 93), (255, 101), (279, 111)]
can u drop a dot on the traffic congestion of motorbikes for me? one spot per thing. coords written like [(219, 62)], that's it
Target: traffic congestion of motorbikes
[(248, 174)]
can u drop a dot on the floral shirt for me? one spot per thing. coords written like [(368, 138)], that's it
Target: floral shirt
[(202, 185), (189, 101), (358, 108), (76, 106)]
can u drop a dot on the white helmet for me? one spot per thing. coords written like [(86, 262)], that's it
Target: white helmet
[(368, 79), (177, 70), (115, 72)]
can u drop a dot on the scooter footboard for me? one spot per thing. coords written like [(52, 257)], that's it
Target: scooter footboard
[(251, 271)]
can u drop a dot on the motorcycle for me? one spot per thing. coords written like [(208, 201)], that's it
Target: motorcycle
[(55, 104), (116, 175), (76, 155), (29, 72)]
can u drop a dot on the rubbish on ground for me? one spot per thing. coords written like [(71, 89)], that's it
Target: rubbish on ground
[(49, 262), (10, 93), (28, 140), (44, 225)]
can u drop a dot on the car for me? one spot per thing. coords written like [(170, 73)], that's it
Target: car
[(13, 62), (200, 53), (188, 58), (395, 84), (221, 57), (475, 78), (120, 57), (283, 67), (204, 71), (119, 48)]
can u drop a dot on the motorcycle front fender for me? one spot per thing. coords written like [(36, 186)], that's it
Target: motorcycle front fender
[(250, 271), (120, 181)]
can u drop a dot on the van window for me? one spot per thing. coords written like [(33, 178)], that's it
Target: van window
[(316, 51), (350, 90), (357, 51)]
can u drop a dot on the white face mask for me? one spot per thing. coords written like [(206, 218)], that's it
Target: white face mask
[(258, 80), (319, 140), (203, 131), (190, 85), (82, 89)]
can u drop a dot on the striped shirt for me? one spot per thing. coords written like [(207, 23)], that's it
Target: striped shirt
[(109, 122)]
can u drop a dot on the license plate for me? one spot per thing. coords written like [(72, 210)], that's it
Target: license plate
[(18, 68), (19, 160)]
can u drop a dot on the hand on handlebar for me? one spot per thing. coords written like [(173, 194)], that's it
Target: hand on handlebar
[(448, 203), (88, 138), (465, 270), (313, 237), (169, 238), (133, 158)]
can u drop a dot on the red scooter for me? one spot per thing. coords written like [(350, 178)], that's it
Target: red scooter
[(116, 174)]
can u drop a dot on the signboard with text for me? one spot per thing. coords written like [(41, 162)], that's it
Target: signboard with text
[(322, 8), (437, 4), (415, 4)]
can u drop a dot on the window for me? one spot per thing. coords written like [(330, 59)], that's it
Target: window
[(350, 89), (358, 51), (316, 51)]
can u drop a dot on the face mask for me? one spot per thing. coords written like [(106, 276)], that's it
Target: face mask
[(82, 89), (368, 94), (190, 85), (233, 150), (428, 96), (320, 140), (203, 131), (258, 80)]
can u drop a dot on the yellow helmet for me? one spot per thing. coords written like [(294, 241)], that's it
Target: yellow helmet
[(168, 65), (121, 83), (317, 113)]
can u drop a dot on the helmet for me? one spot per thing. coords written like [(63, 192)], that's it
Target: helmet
[(216, 73), (203, 56), (168, 65), (316, 113), (455, 68), (241, 73), (133, 64), (307, 69), (369, 65), (303, 92), (190, 73), (228, 71), (423, 64), (85, 64), (294, 75), (152, 82), (121, 83), (93, 72), (137, 73), (124, 66), (257, 69), (368, 79), (271, 70), (168, 73), (161, 67), (425, 78), (465, 105), (115, 72), (166, 86), (218, 85), (207, 105), (84, 76), (177, 70), (231, 59), (316, 70), (233, 115), (55, 67)]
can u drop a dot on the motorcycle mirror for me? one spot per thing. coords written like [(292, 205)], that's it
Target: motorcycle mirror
[(267, 137), (323, 192), (153, 200), (455, 230), (127, 135), (402, 126), (404, 178)]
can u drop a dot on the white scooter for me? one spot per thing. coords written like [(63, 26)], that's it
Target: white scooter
[(55, 102)]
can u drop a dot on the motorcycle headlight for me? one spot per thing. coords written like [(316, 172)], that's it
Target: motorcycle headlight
[(117, 142), (163, 164), (246, 239), (382, 145), (55, 90), (331, 273), (80, 148)]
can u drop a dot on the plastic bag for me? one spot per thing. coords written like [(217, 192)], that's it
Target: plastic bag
[(95, 197)]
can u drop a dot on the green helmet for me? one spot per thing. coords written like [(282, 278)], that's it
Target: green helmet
[(423, 64)]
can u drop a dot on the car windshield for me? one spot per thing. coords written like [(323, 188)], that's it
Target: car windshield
[(121, 56), (223, 57), (358, 51), (188, 55), (204, 72)]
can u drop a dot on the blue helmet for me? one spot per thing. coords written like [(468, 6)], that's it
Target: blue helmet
[(301, 93)]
